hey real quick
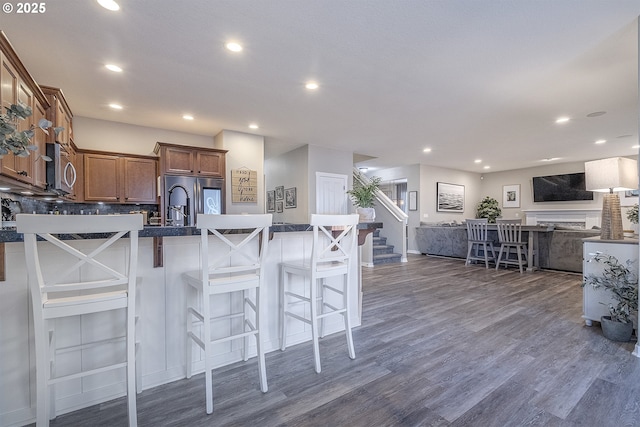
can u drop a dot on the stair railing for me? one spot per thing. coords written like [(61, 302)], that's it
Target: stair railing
[(399, 229)]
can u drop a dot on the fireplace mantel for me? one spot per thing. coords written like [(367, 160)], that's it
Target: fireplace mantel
[(589, 217)]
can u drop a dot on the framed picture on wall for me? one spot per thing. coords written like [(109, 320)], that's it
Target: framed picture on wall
[(413, 200), (450, 197), (280, 192), (511, 196), (279, 204), (271, 201), (290, 199)]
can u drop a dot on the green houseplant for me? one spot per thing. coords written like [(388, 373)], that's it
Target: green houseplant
[(621, 280), (363, 197), (488, 208), (19, 142)]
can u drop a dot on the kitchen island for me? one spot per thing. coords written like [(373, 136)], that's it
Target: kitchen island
[(161, 325), (557, 248)]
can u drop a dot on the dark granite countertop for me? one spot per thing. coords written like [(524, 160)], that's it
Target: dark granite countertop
[(10, 235)]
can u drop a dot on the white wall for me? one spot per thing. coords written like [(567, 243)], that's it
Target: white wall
[(430, 176), (94, 134), (290, 170), (245, 151), (492, 186)]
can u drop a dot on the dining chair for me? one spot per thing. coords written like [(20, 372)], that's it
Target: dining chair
[(89, 278)]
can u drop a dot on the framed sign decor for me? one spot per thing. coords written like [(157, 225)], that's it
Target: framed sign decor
[(450, 197), (413, 200), (511, 196)]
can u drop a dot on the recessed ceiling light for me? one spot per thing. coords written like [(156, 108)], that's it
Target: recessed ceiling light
[(601, 141), (253, 126), (187, 117), (27, 193), (562, 119), (109, 4), (633, 146), (61, 201), (48, 199), (487, 167), (551, 159), (477, 161), (427, 150), (113, 67), (234, 46), (311, 85), (363, 169), (624, 136), (115, 106), (5, 188), (597, 113)]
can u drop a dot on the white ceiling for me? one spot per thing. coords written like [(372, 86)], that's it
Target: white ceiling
[(468, 78)]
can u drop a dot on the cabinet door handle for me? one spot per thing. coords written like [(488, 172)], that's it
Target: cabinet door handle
[(70, 167)]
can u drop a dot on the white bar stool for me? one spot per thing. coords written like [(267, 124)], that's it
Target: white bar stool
[(334, 249), (231, 262), (82, 283)]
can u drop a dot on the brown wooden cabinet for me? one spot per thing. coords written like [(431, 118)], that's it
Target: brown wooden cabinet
[(195, 161), (60, 115), (17, 86), (119, 178)]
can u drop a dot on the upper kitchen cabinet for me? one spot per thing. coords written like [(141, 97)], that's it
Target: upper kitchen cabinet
[(17, 86), (195, 161), (60, 115), (119, 178)]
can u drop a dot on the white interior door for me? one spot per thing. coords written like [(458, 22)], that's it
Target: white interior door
[(331, 193)]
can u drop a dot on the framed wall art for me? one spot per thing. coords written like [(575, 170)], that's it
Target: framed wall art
[(271, 201), (450, 197), (290, 198), (279, 204), (280, 192), (511, 196), (413, 200)]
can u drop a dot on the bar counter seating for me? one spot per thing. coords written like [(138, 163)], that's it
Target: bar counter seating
[(231, 264), (555, 247), (332, 254), (87, 286)]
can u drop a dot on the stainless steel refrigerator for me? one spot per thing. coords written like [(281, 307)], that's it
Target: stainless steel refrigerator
[(187, 196)]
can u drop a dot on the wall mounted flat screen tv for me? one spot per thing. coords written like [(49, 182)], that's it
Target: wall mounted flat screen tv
[(560, 188)]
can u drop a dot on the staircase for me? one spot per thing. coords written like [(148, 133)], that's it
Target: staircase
[(383, 253)]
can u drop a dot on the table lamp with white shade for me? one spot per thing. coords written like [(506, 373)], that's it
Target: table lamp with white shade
[(610, 176)]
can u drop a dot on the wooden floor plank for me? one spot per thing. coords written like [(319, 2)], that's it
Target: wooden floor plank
[(441, 344)]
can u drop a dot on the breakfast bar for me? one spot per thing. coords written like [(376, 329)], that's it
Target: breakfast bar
[(161, 317)]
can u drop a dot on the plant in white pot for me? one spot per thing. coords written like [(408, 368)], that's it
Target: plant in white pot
[(363, 197), (621, 280)]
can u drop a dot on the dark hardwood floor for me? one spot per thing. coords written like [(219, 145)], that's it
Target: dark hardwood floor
[(440, 344)]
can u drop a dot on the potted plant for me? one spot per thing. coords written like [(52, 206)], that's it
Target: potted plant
[(488, 208), (19, 142), (621, 280), (363, 197), (632, 215)]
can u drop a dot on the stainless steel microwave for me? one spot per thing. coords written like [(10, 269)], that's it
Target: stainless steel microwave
[(61, 174)]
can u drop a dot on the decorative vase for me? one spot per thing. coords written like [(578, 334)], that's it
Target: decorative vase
[(616, 331), (366, 214)]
